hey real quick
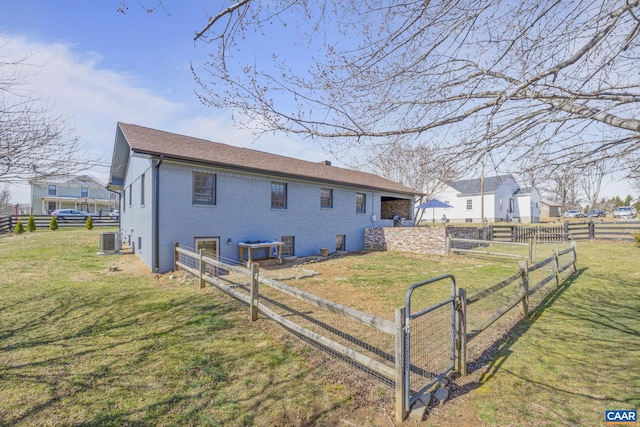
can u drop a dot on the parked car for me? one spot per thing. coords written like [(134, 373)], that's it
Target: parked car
[(69, 214), (595, 213), (573, 213), (625, 212), (114, 214)]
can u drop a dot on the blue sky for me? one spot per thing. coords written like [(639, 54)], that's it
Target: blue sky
[(96, 66)]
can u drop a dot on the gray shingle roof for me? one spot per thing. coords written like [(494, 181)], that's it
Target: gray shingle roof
[(472, 186), (154, 142)]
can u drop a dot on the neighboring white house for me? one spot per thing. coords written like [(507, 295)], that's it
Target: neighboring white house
[(83, 192), (212, 196), (504, 200)]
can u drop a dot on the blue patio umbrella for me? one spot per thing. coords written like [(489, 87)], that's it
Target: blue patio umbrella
[(433, 204)]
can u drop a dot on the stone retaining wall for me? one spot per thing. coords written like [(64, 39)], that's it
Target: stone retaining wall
[(423, 240), (473, 233)]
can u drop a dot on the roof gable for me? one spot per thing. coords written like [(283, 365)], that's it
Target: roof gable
[(473, 186), (152, 142)]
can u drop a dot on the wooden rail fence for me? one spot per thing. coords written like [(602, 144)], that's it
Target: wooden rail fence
[(569, 230), (8, 222), (526, 289), (393, 368), (480, 247), (389, 370)]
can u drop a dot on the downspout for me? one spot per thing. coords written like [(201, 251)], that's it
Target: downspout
[(156, 215)]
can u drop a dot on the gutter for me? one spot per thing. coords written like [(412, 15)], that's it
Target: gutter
[(156, 214), (280, 175)]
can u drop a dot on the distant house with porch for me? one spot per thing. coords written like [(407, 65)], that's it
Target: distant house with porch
[(213, 196), (504, 200), (83, 192)]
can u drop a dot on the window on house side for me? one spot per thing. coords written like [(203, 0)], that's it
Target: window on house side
[(361, 203), (204, 188), (84, 192), (469, 204), (288, 248), (326, 198), (130, 194), (278, 195), (53, 190)]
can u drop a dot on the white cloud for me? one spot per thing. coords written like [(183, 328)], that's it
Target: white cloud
[(80, 87)]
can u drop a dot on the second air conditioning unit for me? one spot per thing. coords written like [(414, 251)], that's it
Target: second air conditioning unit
[(110, 242)]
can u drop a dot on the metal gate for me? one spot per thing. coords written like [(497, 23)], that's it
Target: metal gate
[(430, 336)]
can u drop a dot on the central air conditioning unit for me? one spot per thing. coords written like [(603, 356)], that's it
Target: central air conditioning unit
[(110, 242)]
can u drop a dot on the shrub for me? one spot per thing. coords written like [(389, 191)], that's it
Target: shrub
[(637, 237), (89, 223), (53, 224), (31, 224), (19, 227)]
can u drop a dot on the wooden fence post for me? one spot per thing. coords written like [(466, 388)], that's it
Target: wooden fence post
[(461, 331), (253, 309), (401, 397), (555, 266), (524, 287), (176, 255), (592, 230), (447, 245), (566, 231), (574, 255), (531, 257), (201, 268)]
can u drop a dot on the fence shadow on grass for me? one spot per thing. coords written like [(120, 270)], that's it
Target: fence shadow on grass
[(492, 359)]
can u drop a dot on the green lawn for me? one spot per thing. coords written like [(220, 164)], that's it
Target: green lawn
[(82, 345), (575, 357)]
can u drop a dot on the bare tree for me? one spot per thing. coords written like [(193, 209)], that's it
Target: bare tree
[(591, 180), (418, 167), (565, 189), (528, 83), (31, 140), (5, 201)]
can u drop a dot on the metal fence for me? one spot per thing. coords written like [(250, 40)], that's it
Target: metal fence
[(371, 343), (430, 341), (411, 353)]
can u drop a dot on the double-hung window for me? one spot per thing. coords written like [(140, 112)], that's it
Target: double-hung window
[(469, 204), (278, 195), (53, 190), (361, 203), (204, 188), (84, 192), (326, 198)]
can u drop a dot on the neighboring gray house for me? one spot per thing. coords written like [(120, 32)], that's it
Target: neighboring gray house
[(208, 195), (83, 192), (504, 200)]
